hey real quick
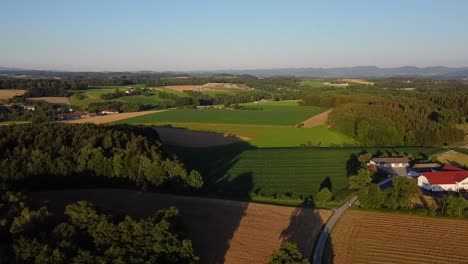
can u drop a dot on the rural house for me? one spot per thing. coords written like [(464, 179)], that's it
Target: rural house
[(392, 162), (109, 112), (448, 178)]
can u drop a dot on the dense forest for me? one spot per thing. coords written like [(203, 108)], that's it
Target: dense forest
[(392, 117), (84, 234), (66, 155)]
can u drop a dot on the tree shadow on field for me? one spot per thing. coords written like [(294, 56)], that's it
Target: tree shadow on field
[(214, 163), (304, 227), (352, 165), (210, 223), (326, 183)]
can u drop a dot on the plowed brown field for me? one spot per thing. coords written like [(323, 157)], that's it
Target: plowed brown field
[(317, 119), (6, 94), (376, 237), (52, 100), (222, 231)]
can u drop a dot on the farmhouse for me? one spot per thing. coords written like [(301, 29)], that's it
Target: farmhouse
[(393, 162), (448, 178), (109, 112)]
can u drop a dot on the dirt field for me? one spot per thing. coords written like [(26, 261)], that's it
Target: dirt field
[(221, 231), (111, 118), (317, 119), (6, 94), (360, 81), (208, 87), (52, 100), (192, 138), (376, 237)]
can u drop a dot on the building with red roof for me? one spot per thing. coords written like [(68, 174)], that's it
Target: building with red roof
[(449, 178)]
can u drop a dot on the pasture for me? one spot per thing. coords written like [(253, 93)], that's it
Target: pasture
[(271, 115), (6, 94), (313, 84), (221, 231), (378, 237), (276, 175)]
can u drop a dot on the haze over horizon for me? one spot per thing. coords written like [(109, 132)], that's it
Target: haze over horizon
[(240, 35)]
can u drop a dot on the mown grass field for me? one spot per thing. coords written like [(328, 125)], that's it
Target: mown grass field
[(273, 126), (285, 115), (312, 84), (277, 175), (378, 237)]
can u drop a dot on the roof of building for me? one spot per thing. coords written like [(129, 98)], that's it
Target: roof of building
[(426, 166), (391, 160), (446, 176)]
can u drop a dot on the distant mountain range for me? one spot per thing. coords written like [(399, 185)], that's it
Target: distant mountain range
[(360, 72), (436, 72)]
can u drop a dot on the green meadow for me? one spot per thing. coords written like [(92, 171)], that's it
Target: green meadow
[(277, 175)]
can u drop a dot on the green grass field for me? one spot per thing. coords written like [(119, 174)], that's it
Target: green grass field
[(271, 127), (312, 84), (270, 115), (93, 95), (240, 171)]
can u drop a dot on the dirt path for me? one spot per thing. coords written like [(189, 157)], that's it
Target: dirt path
[(112, 118), (317, 119), (222, 231)]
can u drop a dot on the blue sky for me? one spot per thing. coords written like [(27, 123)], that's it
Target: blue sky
[(206, 35)]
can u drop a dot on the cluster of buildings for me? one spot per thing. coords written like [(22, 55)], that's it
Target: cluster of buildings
[(433, 177), (80, 115)]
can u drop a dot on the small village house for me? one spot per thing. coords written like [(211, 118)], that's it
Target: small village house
[(109, 112)]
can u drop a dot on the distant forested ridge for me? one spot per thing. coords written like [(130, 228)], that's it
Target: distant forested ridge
[(53, 155), (83, 234), (393, 117)]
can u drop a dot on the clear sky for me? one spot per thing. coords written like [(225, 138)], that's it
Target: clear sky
[(237, 34)]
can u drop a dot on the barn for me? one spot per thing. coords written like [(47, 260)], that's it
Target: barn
[(448, 179)]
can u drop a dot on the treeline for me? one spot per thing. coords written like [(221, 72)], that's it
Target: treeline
[(43, 87), (83, 234), (420, 84), (43, 112), (67, 154), (377, 117)]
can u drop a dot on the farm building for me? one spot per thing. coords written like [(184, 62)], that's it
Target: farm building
[(109, 112), (71, 116), (393, 162), (448, 178)]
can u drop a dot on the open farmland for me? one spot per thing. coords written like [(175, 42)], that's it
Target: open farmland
[(317, 119), (208, 87), (377, 237), (457, 157), (6, 94), (271, 115), (241, 171), (52, 100), (111, 118), (221, 231), (312, 84)]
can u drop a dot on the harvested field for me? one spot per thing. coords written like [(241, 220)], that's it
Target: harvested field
[(456, 158), (6, 94), (317, 119), (52, 100), (378, 237), (360, 81), (222, 231), (208, 87), (191, 138), (111, 118)]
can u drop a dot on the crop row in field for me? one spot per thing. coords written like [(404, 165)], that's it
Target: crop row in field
[(238, 170), (377, 237)]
